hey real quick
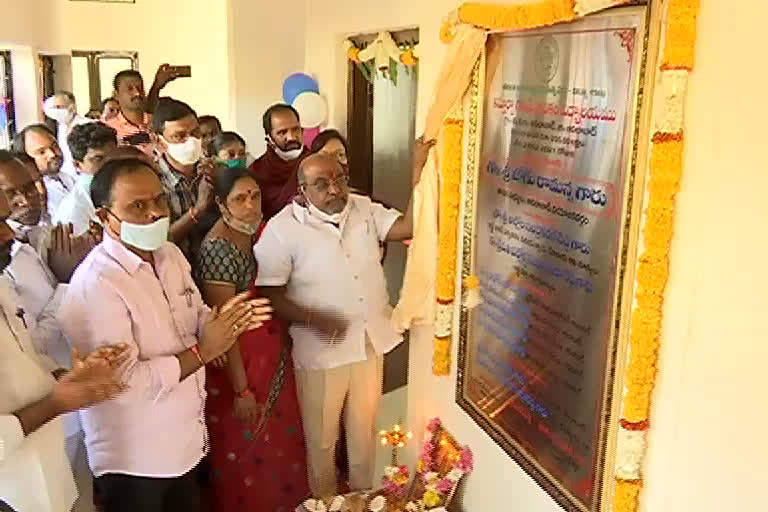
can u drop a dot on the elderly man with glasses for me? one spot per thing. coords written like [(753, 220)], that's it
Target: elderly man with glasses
[(319, 265)]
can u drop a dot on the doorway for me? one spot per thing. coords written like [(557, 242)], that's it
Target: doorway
[(381, 123)]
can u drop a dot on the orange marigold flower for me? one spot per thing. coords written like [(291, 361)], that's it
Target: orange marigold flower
[(408, 58), (353, 54)]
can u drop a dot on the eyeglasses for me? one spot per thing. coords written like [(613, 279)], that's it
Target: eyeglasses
[(323, 185)]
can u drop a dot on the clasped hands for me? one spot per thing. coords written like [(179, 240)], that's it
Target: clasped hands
[(91, 380), (239, 314)]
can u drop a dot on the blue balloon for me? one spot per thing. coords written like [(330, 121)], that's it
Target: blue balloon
[(296, 84)]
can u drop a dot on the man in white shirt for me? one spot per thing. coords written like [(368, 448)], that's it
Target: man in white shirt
[(145, 447), (40, 291), (35, 475), (26, 211), (319, 265), (39, 142), (61, 107), (89, 145)]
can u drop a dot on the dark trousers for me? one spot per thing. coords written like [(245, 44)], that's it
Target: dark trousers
[(126, 493)]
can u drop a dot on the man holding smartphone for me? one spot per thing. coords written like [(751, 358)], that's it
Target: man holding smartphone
[(134, 122)]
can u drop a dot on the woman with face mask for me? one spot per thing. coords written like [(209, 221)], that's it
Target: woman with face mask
[(253, 412), (228, 148)]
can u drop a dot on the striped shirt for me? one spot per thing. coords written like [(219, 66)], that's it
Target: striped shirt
[(181, 191)]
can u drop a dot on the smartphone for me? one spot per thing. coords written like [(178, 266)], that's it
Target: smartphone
[(137, 139), (183, 71)]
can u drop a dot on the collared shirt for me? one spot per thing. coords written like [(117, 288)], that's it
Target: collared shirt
[(77, 208), (35, 473), (126, 129), (180, 189), (157, 427), (38, 236), (328, 268), (182, 195), (39, 296), (58, 186)]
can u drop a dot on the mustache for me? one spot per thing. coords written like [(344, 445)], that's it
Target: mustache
[(293, 145)]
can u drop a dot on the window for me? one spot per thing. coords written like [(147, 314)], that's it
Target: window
[(7, 115), (93, 72)]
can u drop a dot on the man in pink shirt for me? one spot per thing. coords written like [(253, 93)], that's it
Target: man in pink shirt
[(145, 447)]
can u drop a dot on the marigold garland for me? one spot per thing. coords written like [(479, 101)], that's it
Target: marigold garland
[(680, 46), (666, 169), (517, 17), (627, 492), (441, 363), (664, 184), (450, 197)]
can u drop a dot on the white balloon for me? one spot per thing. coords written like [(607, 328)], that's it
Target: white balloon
[(312, 109)]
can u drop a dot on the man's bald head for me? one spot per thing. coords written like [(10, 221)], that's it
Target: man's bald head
[(313, 164), (324, 183)]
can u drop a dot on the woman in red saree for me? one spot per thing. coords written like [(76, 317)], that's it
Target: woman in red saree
[(257, 457)]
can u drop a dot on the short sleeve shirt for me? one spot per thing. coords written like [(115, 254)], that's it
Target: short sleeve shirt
[(324, 267)]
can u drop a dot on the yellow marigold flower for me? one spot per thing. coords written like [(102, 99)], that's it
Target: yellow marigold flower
[(432, 499), (353, 54), (408, 59), (447, 33)]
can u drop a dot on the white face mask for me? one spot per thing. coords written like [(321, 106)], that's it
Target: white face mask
[(239, 225), (291, 154), (333, 218), (147, 237), (187, 152), (60, 115)]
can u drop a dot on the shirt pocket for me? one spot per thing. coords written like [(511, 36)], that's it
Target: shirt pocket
[(185, 314)]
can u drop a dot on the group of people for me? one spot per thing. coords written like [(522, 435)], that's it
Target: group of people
[(184, 326)]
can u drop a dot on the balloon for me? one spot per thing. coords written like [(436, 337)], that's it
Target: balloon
[(310, 134), (296, 84), (312, 109)]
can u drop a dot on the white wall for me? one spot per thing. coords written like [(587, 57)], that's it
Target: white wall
[(707, 444), (708, 447), (26, 85), (496, 478), (267, 42), (182, 32)]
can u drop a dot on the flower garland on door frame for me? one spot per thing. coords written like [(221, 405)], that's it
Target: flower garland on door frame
[(653, 267), (382, 55)]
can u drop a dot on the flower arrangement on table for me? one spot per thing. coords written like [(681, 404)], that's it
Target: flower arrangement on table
[(440, 454), (442, 463), (441, 466)]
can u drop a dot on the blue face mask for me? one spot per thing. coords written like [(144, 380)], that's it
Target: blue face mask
[(86, 180), (236, 163)]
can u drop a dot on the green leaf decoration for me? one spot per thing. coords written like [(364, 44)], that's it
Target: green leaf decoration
[(393, 65)]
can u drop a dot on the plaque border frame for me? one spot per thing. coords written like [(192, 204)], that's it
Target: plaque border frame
[(638, 169)]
